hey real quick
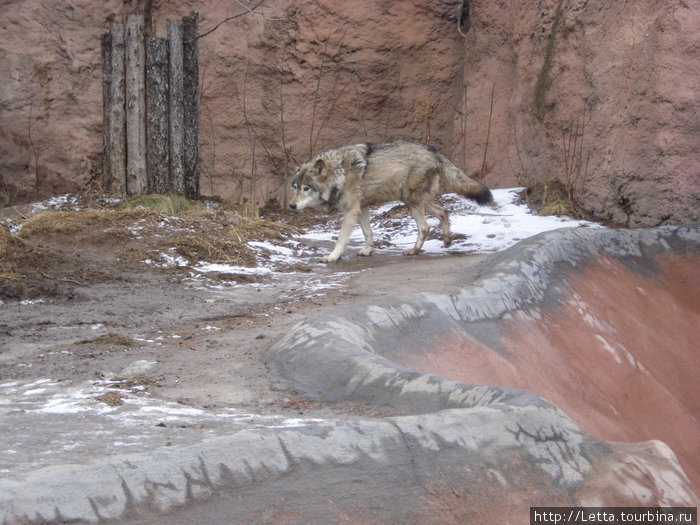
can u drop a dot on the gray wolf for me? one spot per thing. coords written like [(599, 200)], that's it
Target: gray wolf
[(353, 178)]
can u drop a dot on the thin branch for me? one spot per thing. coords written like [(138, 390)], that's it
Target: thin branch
[(525, 178), (460, 15), (287, 151), (388, 96), (572, 144), (248, 10), (253, 136), (251, 132), (31, 142), (358, 99), (213, 149), (330, 111), (252, 10), (488, 132), (318, 87), (464, 115)]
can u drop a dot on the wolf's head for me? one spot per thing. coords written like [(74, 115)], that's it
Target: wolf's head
[(321, 180), (309, 185)]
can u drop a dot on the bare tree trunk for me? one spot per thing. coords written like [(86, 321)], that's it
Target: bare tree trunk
[(191, 104), (177, 123), (137, 182), (152, 104), (157, 153), (116, 121), (106, 77), (287, 151)]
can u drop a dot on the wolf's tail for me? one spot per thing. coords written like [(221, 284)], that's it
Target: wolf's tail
[(457, 181)]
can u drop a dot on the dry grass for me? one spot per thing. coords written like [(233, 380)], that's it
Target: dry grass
[(20, 263), (110, 338), (168, 204), (58, 247), (16, 253), (111, 398), (550, 198), (63, 222), (226, 245)]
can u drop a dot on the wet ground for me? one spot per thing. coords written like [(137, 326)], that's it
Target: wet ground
[(157, 361)]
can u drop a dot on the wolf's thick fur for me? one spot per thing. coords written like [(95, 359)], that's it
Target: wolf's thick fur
[(354, 177)]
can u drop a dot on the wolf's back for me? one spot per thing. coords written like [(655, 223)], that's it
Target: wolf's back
[(456, 181)]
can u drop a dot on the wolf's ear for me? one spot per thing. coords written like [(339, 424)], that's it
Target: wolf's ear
[(318, 167)]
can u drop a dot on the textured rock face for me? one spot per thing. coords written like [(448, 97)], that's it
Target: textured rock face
[(626, 69), (600, 322), (309, 75), (50, 98)]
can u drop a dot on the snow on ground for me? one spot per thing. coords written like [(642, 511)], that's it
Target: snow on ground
[(475, 229), (106, 417)]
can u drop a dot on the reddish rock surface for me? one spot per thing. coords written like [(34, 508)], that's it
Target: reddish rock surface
[(618, 355), (329, 73), (625, 68)]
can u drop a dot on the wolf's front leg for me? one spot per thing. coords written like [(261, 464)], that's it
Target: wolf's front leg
[(423, 229), (349, 221), (367, 231)]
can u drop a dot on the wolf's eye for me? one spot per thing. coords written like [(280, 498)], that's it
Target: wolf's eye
[(306, 189)]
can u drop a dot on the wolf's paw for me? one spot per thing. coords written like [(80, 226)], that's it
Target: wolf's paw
[(412, 251), (365, 251), (330, 258), (447, 242)]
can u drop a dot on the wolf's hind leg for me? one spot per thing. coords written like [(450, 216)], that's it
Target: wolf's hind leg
[(349, 221), (441, 213), (418, 214), (367, 231)]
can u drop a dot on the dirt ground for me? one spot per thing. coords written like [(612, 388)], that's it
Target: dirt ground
[(80, 304)]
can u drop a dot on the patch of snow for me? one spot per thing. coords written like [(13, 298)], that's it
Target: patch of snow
[(27, 302), (165, 260), (54, 203), (231, 268), (80, 425), (474, 228)]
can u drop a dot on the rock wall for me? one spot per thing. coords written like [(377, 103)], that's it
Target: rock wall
[(628, 70), (50, 95), (308, 75)]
